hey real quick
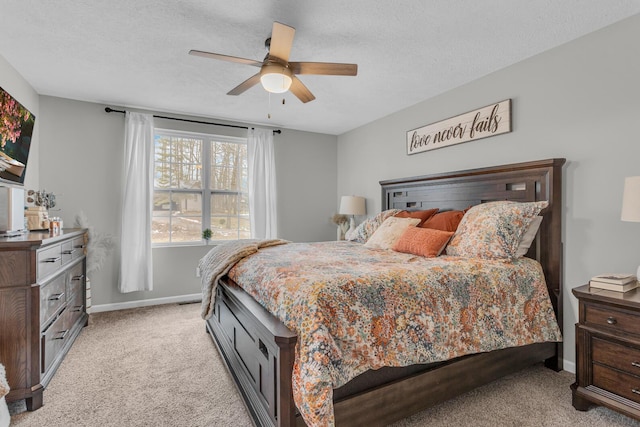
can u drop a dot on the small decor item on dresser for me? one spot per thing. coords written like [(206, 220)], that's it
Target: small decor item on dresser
[(38, 214), (614, 282)]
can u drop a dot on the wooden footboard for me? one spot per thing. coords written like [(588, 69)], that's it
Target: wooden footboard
[(259, 353)]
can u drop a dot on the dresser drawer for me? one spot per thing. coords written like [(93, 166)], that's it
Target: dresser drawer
[(78, 247), (52, 298), (48, 261), (616, 356), (72, 249), (74, 310), (53, 340), (66, 250), (625, 385), (75, 280), (616, 320)]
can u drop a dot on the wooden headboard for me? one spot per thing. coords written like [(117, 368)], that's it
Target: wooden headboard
[(521, 182)]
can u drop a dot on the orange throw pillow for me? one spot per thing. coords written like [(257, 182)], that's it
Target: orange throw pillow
[(426, 242), (445, 221), (421, 215)]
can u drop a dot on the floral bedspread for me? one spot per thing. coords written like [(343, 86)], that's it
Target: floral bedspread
[(356, 309)]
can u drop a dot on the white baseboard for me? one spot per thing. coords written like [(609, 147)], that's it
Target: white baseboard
[(145, 303), (568, 366)]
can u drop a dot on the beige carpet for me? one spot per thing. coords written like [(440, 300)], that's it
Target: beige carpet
[(158, 367)]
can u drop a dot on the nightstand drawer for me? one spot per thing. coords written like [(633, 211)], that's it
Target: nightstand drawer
[(611, 318), (617, 356), (627, 386)]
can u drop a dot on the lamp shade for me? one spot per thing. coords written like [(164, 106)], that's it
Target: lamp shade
[(631, 199), (352, 205), (275, 78)]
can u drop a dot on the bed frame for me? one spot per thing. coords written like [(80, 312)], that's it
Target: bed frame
[(259, 350)]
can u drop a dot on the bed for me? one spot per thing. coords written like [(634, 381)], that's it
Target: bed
[(259, 349)]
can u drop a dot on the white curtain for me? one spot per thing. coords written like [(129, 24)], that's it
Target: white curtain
[(136, 272), (262, 184)]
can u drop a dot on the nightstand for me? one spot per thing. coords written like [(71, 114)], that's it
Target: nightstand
[(608, 350)]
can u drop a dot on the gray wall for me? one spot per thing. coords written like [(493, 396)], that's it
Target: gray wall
[(580, 101), (12, 82), (82, 152)]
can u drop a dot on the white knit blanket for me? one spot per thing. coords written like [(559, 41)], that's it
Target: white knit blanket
[(215, 264)]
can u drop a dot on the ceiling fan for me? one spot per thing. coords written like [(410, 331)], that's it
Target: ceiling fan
[(277, 74)]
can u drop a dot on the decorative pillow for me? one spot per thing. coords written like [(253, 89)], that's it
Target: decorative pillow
[(426, 242), (422, 215), (528, 236), (445, 221), (365, 230), (389, 232), (493, 230)]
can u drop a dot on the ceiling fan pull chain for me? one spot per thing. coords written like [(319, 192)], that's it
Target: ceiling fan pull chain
[(269, 109)]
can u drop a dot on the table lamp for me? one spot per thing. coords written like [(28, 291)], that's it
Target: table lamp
[(352, 205), (631, 202)]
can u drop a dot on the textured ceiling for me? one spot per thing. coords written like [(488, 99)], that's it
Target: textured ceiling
[(134, 53)]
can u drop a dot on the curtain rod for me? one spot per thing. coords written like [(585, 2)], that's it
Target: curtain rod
[(111, 110)]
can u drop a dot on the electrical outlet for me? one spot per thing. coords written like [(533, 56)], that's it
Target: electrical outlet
[(197, 271)]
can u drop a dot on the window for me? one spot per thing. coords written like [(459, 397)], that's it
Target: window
[(200, 181)]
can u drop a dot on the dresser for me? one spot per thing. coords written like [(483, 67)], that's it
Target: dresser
[(42, 307), (608, 350)]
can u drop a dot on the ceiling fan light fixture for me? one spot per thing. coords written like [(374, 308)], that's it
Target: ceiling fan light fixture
[(275, 78)]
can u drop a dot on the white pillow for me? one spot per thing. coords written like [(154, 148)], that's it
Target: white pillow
[(389, 232), (528, 236)]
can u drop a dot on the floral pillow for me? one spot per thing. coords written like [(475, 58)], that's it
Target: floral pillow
[(365, 230), (493, 230), (389, 232)]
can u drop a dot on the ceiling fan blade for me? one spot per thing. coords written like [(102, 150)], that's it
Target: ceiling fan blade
[(281, 41), (324, 68), (225, 58), (247, 84), (301, 91)]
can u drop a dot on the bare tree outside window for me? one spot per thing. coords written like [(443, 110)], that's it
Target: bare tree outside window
[(200, 182)]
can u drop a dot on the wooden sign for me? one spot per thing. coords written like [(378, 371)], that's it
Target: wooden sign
[(481, 123)]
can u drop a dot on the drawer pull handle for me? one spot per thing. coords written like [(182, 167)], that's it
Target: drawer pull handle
[(78, 308), (636, 364), (635, 390), (69, 251), (56, 259), (56, 297), (80, 246), (80, 277), (611, 320), (61, 337)]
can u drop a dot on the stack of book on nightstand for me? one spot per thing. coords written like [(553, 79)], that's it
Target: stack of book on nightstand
[(614, 282)]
